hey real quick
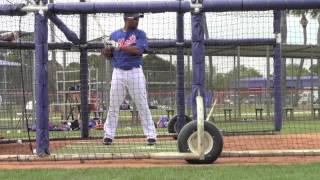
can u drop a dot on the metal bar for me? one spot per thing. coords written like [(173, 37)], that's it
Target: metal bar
[(198, 60), (277, 73), (159, 6), (185, 6), (257, 5), (84, 76), (169, 155), (237, 96), (120, 7), (152, 44), (42, 97), (35, 8), (200, 126), (100, 156), (268, 85), (180, 74)]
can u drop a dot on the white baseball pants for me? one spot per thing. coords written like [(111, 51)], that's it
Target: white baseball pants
[(135, 82)]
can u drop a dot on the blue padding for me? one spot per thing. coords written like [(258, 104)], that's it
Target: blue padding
[(198, 63), (42, 96), (70, 35), (258, 5), (12, 9), (120, 7)]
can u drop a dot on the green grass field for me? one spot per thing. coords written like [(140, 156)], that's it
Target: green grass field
[(212, 172)]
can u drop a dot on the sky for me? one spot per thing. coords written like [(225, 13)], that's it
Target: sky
[(225, 25)]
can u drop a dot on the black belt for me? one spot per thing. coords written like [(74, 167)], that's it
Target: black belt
[(127, 68)]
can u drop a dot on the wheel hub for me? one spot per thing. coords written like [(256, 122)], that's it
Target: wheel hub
[(207, 142)]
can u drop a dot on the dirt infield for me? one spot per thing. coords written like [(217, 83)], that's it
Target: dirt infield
[(24, 148), (231, 143), (272, 142)]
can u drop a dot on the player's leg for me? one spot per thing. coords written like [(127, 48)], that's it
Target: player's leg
[(117, 93), (137, 89)]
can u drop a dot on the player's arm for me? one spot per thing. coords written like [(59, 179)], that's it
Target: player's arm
[(141, 45), (132, 50), (137, 50)]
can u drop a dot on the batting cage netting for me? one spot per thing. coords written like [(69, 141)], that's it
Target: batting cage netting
[(78, 80)]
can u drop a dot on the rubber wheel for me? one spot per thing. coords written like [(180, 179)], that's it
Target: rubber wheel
[(213, 140), (173, 121)]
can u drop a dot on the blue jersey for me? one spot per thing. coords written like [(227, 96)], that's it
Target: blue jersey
[(135, 38)]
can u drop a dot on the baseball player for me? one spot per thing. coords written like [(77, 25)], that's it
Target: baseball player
[(125, 47)]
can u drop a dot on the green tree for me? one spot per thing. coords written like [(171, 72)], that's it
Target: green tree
[(73, 66), (98, 63), (304, 22), (221, 81), (315, 13), (315, 69), (245, 72), (293, 70), (14, 78), (53, 67), (157, 69), (224, 80), (155, 63)]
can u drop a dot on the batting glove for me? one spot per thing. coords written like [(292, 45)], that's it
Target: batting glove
[(115, 45)]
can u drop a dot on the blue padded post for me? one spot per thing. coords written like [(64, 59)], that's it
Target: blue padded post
[(277, 72), (84, 75), (198, 57), (42, 97), (180, 73)]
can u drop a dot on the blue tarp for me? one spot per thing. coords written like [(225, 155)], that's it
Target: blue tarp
[(261, 82)]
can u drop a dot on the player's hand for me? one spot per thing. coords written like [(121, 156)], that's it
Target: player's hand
[(107, 52), (114, 44)]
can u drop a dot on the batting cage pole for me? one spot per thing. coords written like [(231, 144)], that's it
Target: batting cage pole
[(180, 72), (157, 6), (198, 74), (42, 97), (84, 76), (277, 71), (198, 59)]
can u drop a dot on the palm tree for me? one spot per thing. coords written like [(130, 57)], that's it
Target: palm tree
[(284, 25), (304, 24), (316, 14)]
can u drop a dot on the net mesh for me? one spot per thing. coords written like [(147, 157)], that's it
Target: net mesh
[(239, 86)]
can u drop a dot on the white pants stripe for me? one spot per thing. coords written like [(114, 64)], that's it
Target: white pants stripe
[(135, 82)]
